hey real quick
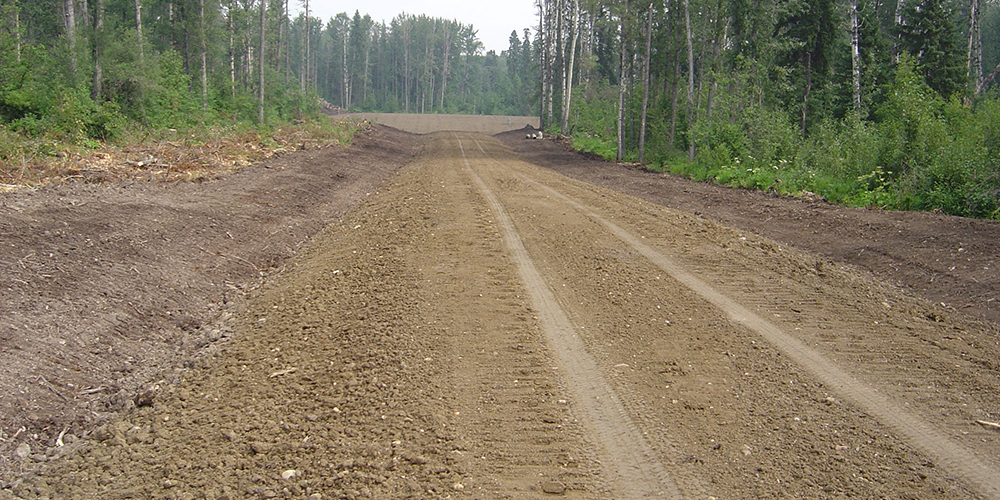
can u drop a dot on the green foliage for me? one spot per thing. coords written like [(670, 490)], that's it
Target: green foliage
[(601, 147)]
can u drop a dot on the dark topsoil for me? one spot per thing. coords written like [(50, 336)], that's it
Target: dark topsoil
[(106, 288)]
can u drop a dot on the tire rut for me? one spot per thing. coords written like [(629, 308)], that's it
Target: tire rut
[(920, 434), (630, 460)]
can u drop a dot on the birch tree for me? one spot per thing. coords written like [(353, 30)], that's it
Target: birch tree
[(622, 82), (97, 45), (855, 57), (69, 15), (567, 91), (261, 62), (645, 83)]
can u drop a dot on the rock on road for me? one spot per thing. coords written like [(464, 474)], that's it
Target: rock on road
[(484, 328)]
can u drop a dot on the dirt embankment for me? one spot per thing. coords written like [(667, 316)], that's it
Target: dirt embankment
[(106, 286)]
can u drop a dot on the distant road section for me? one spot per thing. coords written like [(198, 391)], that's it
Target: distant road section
[(426, 124)]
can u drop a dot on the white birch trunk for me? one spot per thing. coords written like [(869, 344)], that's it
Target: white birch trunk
[(645, 84), (690, 96), (260, 65), (202, 49), (855, 57), (568, 82), (621, 87), (70, 17), (98, 51), (975, 58)]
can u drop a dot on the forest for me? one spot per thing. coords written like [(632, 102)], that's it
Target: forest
[(88, 72), (880, 103)]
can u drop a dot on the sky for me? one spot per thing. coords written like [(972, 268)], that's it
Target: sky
[(494, 19)]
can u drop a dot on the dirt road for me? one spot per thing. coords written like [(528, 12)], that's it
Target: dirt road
[(479, 327)]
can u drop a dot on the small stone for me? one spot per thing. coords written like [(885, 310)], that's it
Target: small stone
[(553, 487), (147, 396), (260, 448), (289, 474), (23, 451), (458, 486), (747, 451)]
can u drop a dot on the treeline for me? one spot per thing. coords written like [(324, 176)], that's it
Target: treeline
[(420, 64), (98, 69), (868, 102), (85, 70)]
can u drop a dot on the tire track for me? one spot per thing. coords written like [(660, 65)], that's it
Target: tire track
[(923, 436), (627, 457)]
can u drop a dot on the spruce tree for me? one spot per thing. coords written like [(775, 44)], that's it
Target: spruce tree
[(928, 33)]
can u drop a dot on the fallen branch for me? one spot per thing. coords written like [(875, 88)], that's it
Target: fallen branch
[(279, 373), (989, 425)]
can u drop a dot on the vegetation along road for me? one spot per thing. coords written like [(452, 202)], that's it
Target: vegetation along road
[(441, 316)]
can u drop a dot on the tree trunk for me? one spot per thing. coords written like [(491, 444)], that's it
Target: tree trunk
[(975, 57), (260, 65), (444, 64), (645, 84), (989, 78), (138, 29), (672, 132), (346, 83), (232, 49), (202, 52), (70, 13), (304, 77), (17, 31), (98, 52), (543, 60), (855, 57), (899, 22), (568, 82), (805, 95), (621, 86), (690, 96), (406, 63)]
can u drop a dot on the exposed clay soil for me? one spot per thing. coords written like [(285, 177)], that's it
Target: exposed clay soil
[(437, 317)]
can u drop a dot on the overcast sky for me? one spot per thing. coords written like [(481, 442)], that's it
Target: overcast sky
[(493, 19)]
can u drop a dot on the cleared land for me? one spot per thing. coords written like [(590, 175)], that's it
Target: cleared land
[(436, 317)]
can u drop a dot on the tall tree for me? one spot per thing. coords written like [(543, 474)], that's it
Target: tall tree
[(928, 33), (975, 52), (690, 74), (138, 30), (261, 63), (202, 52), (855, 57), (567, 91), (645, 82), (305, 75), (810, 28), (97, 45), (622, 81), (69, 14)]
